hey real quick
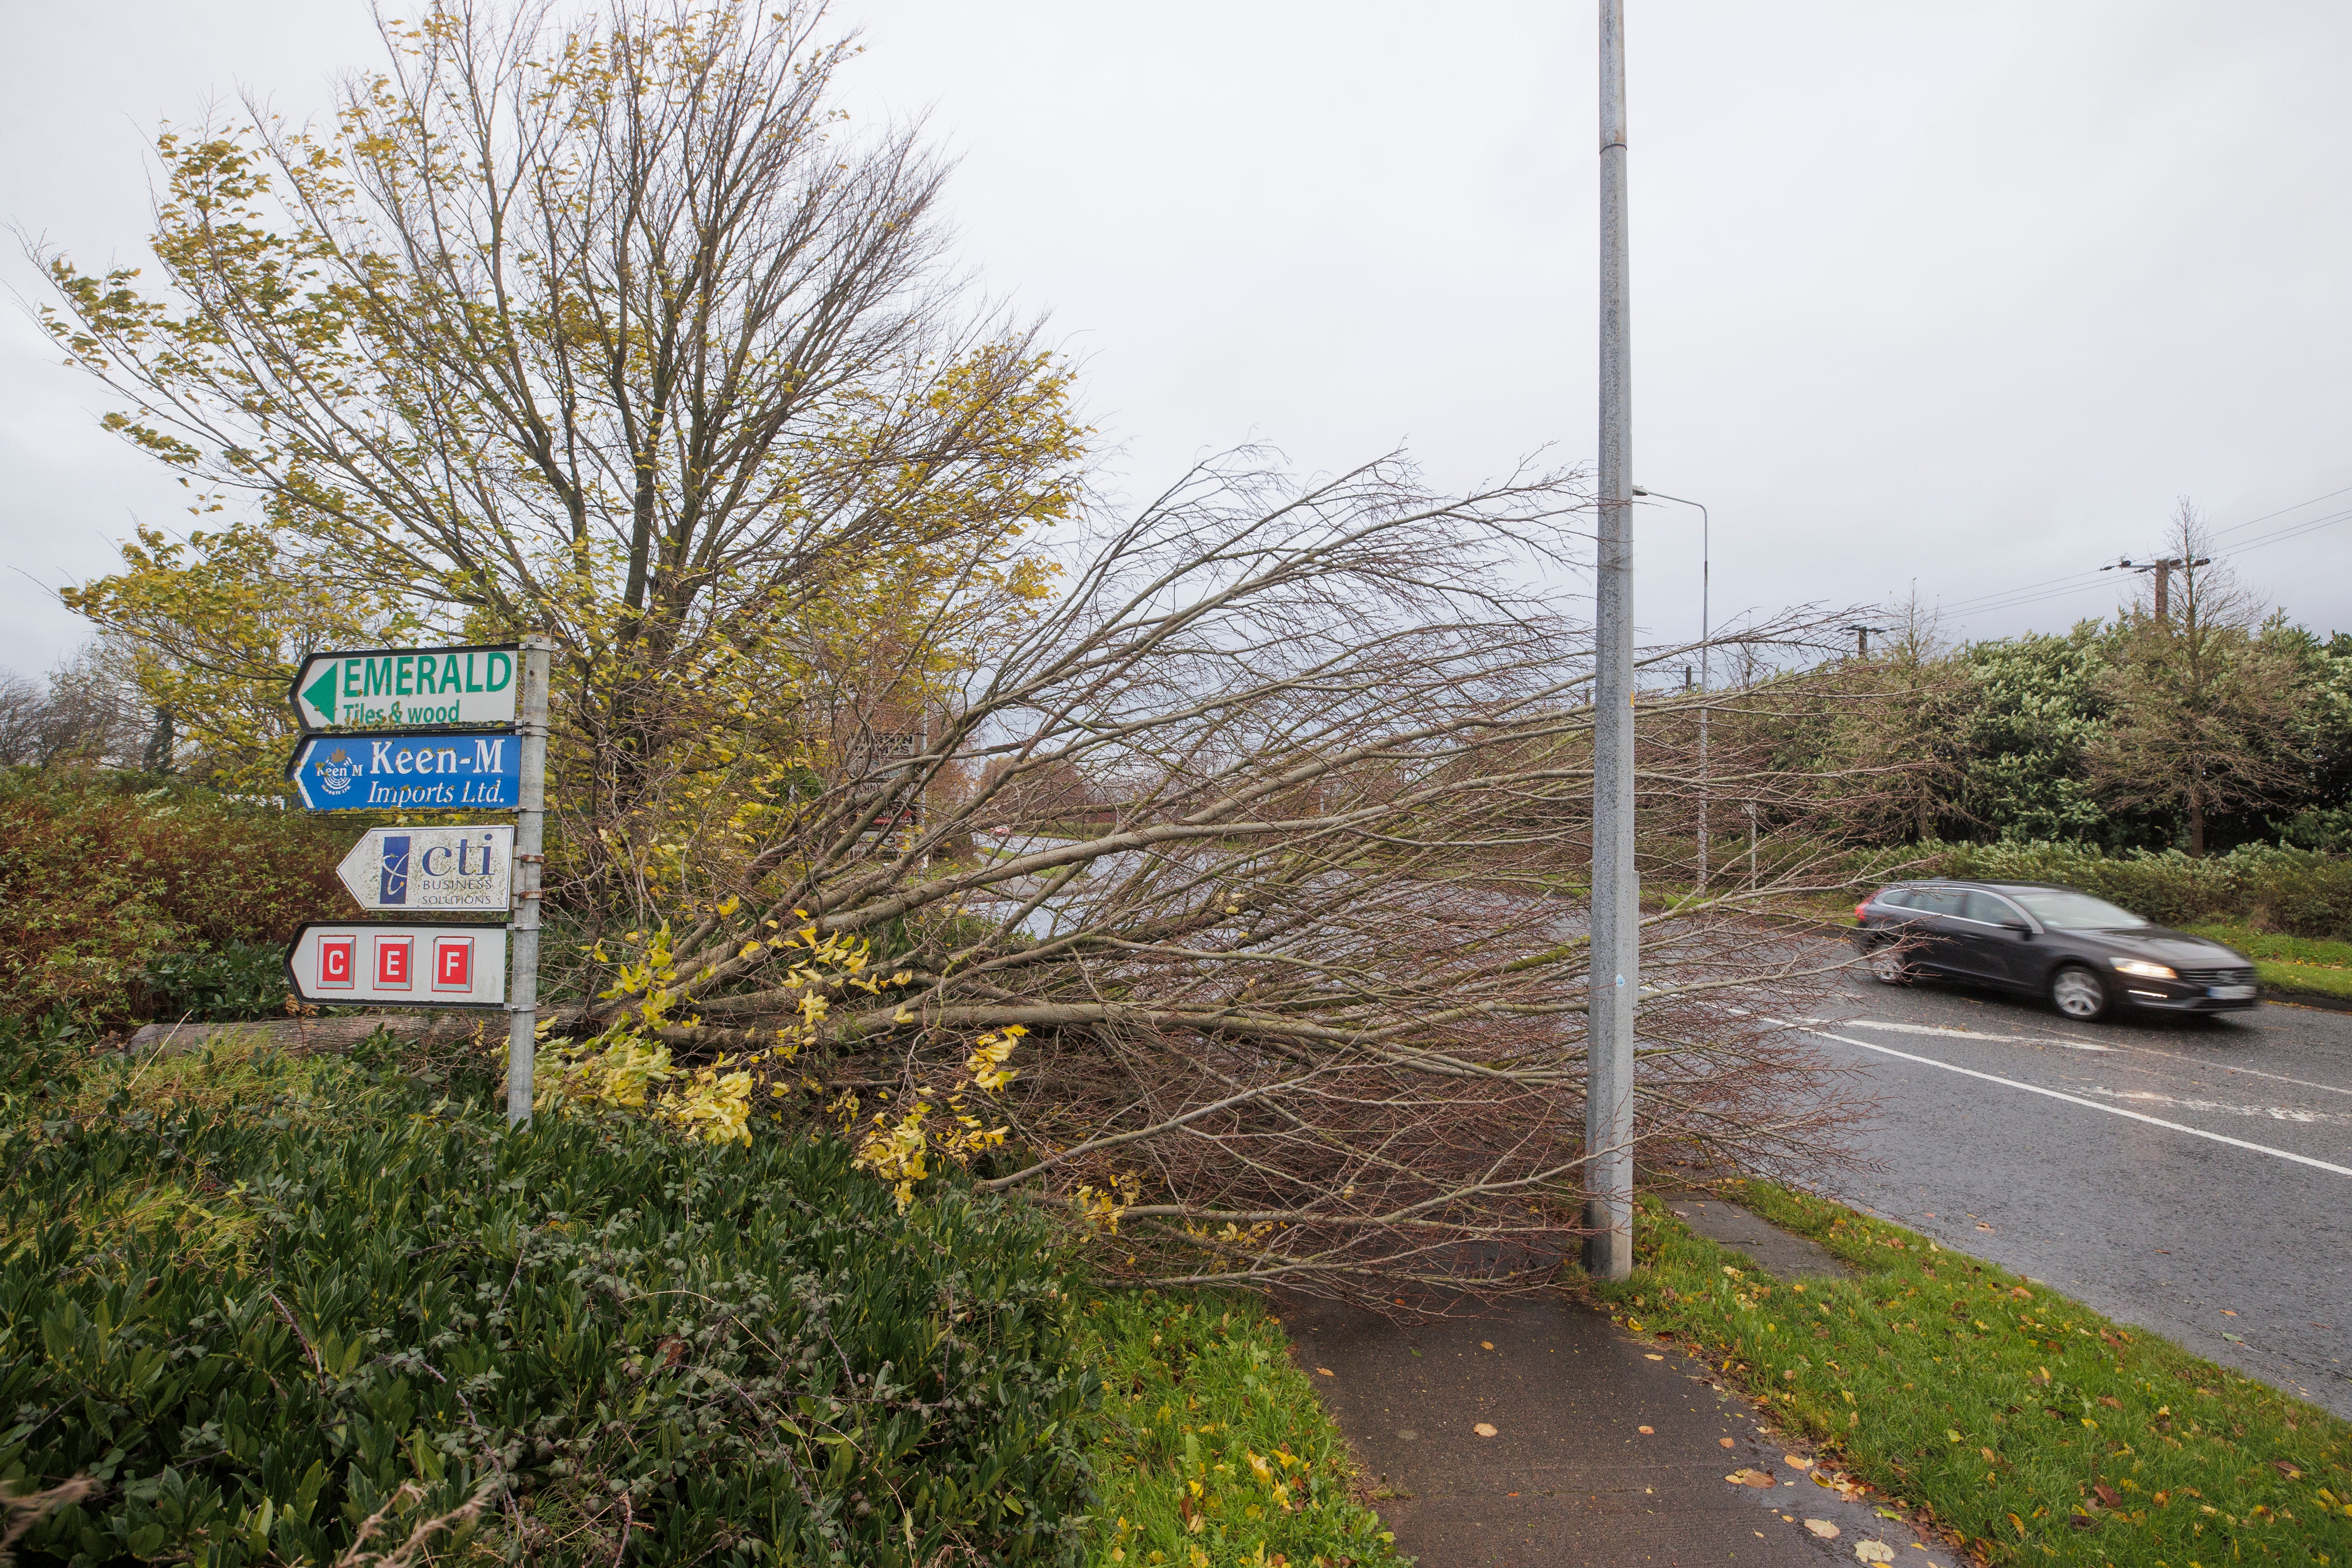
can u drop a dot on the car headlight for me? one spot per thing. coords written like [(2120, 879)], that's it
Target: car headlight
[(2144, 970)]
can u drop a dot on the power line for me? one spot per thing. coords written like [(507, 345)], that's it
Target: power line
[(2024, 593), (2282, 511), (2294, 530)]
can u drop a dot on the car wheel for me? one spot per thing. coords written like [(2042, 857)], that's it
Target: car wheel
[(1887, 969), (2077, 993)]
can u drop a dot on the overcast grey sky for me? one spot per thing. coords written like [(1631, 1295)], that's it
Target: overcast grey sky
[(1959, 294)]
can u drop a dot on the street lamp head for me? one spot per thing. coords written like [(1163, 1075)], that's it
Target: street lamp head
[(1639, 492)]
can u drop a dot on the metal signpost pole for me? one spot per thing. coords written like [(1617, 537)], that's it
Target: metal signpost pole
[(522, 993), (1615, 976)]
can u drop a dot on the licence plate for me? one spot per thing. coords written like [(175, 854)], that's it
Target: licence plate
[(2232, 993)]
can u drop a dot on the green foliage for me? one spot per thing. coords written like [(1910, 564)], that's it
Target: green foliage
[(1204, 1418), (254, 1324), (230, 984), (98, 878), (2290, 890), (2032, 707), (2021, 1420)]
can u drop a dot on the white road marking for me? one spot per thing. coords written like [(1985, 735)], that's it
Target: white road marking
[(2069, 1098), (2077, 1046), (1965, 1034), (2250, 1072), (2275, 1112)]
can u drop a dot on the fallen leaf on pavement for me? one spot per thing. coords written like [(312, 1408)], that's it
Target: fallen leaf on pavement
[(1327, 1371), (1982, 1226), (1873, 1551), (1647, 1431), (1485, 1344), (1646, 1356), (1725, 1443), (1747, 1478), (1483, 1429), (1797, 1463), (1822, 1528)]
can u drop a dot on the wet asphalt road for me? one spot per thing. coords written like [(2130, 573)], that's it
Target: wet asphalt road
[(2238, 1250)]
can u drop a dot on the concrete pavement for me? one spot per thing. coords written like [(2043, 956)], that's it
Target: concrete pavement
[(1540, 1436)]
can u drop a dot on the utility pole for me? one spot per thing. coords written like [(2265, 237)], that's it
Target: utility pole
[(1614, 980), (2163, 570), (1862, 639)]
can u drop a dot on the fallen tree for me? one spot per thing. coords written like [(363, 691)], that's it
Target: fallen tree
[(1265, 842)]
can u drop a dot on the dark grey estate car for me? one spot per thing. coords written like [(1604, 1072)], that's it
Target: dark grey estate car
[(2083, 953)]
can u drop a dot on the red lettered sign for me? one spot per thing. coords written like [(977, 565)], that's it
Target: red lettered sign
[(336, 959), (453, 964), (379, 960)]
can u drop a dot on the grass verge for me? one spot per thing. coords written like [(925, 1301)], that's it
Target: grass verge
[(1212, 1448), (1995, 1410), (2305, 963)]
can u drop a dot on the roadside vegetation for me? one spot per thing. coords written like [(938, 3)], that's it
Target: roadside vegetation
[(1212, 1446), (257, 1308), (129, 896), (2009, 1418)]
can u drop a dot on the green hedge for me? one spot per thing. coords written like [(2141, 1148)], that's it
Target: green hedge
[(255, 1323), (99, 878), (2296, 891)]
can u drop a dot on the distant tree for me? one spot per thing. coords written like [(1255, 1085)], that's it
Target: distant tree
[(2208, 700), (87, 713), (2320, 816), (2036, 704)]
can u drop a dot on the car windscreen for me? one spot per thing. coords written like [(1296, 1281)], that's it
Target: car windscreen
[(2061, 909)]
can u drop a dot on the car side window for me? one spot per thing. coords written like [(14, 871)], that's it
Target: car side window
[(1894, 899), (1937, 900), (1989, 910)]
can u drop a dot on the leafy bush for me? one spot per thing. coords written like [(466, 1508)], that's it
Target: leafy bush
[(98, 879), (256, 1323), (238, 981), (2296, 891)]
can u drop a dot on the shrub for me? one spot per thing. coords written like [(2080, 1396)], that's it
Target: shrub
[(99, 879), (255, 1325), (238, 981)]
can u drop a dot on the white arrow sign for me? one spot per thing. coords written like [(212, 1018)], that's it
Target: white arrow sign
[(419, 965), (451, 868)]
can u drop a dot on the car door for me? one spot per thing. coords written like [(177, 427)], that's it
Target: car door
[(1996, 949), (1933, 923)]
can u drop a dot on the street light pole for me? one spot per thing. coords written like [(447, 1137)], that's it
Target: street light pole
[(1614, 980), (1704, 527)]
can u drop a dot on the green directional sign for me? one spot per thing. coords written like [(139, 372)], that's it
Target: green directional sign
[(402, 688)]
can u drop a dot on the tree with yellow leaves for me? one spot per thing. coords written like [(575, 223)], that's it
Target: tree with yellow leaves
[(612, 329)]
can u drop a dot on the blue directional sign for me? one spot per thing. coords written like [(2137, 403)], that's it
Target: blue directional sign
[(416, 770)]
